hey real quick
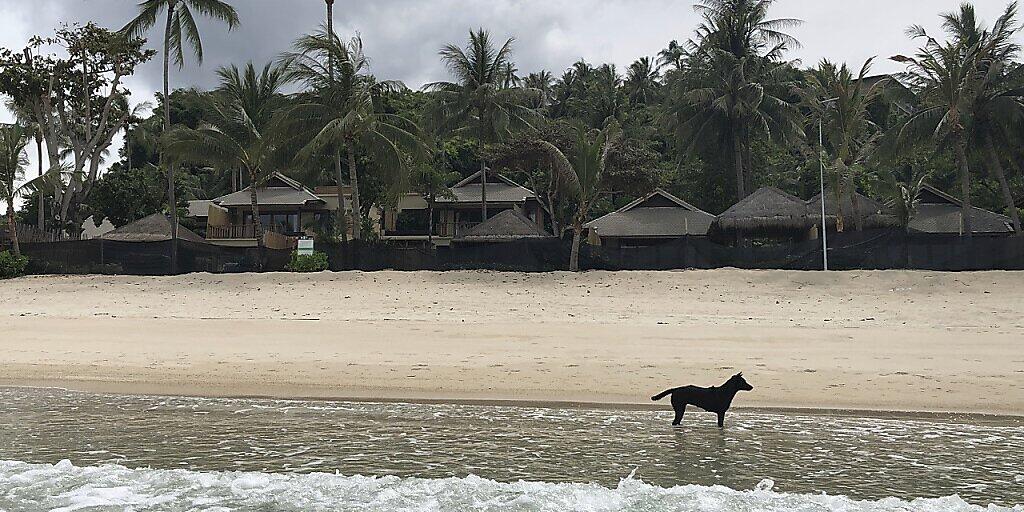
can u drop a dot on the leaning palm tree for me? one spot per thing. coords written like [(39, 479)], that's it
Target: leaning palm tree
[(953, 78), (238, 131), (343, 110), (581, 171), (13, 159), (838, 102), (478, 104), (180, 29)]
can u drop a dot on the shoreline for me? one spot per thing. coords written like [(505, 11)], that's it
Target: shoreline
[(931, 342), (119, 389)]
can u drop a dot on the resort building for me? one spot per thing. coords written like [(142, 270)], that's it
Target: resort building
[(768, 213), (459, 210), (288, 210), (940, 213), (650, 220)]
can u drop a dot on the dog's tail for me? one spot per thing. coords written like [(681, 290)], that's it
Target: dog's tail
[(661, 395)]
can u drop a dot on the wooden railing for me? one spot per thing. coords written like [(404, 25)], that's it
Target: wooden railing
[(237, 231)]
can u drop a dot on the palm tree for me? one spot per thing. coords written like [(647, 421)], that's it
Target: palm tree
[(27, 118), (642, 81), (742, 27), (13, 139), (478, 104), (543, 82), (180, 29), (954, 80), (238, 130), (736, 84), (731, 100), (838, 102), (343, 110), (581, 171)]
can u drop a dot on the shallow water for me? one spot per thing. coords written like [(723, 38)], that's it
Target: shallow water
[(244, 454)]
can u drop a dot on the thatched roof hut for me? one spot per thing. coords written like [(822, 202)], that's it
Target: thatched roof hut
[(768, 208), (507, 226), (873, 213), (154, 228)]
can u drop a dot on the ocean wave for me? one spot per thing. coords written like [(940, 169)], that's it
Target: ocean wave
[(64, 487)]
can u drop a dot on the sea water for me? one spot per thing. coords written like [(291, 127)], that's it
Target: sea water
[(63, 450)]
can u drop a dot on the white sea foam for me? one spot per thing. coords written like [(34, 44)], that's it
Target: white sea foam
[(64, 487)]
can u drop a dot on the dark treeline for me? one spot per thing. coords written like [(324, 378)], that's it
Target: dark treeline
[(710, 119)]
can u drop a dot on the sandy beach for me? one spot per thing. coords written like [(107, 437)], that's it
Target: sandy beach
[(885, 341)]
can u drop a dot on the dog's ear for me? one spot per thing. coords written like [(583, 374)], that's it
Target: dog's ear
[(740, 374)]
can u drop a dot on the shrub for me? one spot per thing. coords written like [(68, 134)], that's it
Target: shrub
[(11, 265), (316, 262)]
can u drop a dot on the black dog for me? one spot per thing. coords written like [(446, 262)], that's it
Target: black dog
[(716, 399)]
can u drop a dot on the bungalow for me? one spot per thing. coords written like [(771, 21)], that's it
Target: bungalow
[(940, 213), (287, 210), (767, 213), (649, 220), (459, 210)]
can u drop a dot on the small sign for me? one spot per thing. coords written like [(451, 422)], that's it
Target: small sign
[(305, 246)]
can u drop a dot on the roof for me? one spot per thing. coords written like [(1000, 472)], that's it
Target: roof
[(279, 190), (945, 218), (154, 228), (939, 212), (767, 207), (499, 190), (199, 208), (656, 215), (873, 213), (504, 227)]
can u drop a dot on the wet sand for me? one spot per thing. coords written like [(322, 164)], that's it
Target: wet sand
[(884, 341)]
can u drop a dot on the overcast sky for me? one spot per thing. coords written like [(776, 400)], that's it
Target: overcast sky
[(402, 36)]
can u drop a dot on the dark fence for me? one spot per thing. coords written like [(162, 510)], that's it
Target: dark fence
[(869, 250), (99, 256), (847, 251)]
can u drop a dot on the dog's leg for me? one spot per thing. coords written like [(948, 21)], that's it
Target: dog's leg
[(680, 409), (721, 420)]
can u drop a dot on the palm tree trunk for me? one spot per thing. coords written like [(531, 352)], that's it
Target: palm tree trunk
[(483, 167), (341, 228), (574, 255), (353, 179), (40, 214), (997, 166), (737, 149), (12, 227), (171, 200), (965, 185), (256, 222)]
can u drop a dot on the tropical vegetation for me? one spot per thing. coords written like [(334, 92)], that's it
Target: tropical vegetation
[(710, 118)]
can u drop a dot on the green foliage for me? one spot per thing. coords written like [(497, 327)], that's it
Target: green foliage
[(11, 265), (126, 195), (316, 262)]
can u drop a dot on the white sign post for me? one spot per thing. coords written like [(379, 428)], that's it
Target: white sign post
[(305, 247)]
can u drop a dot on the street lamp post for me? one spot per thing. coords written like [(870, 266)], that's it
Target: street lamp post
[(821, 178)]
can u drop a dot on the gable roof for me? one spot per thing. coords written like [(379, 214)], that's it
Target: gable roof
[(279, 190), (504, 227), (500, 189), (153, 228), (767, 207), (659, 214)]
